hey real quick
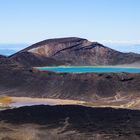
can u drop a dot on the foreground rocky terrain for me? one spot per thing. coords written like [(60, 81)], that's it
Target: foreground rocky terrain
[(72, 51), (69, 123)]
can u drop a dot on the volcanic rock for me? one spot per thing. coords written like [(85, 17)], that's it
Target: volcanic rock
[(72, 51)]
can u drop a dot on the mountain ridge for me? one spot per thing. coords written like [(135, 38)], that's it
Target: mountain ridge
[(73, 51)]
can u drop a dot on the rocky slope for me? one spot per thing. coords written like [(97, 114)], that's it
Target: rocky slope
[(72, 51), (2, 58), (69, 123), (21, 81), (30, 59), (6, 63)]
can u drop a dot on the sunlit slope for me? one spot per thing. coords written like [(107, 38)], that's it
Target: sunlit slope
[(72, 51)]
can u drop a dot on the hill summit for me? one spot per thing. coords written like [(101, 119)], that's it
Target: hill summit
[(72, 51)]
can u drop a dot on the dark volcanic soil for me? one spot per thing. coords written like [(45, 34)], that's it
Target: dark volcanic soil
[(20, 81), (84, 122)]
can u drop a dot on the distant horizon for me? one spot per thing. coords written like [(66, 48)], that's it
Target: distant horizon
[(105, 21)]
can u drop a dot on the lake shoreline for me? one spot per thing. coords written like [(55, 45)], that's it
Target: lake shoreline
[(90, 69), (106, 66)]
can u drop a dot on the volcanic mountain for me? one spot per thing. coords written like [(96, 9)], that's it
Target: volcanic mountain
[(72, 51)]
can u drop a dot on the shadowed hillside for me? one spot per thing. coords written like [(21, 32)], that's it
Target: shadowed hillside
[(70, 123)]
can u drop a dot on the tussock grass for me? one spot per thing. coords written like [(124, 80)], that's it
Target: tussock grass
[(5, 100)]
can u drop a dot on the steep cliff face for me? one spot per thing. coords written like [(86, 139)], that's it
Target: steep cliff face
[(72, 51)]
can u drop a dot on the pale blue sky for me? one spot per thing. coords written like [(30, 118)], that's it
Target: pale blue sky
[(29, 21)]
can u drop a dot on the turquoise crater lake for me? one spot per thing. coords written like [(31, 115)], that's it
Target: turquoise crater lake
[(89, 69)]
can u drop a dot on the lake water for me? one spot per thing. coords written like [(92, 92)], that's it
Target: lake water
[(89, 69)]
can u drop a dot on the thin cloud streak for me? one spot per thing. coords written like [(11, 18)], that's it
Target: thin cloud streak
[(125, 42)]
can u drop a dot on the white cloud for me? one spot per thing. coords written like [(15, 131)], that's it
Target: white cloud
[(123, 42)]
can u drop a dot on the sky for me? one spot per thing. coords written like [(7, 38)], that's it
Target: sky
[(106, 21)]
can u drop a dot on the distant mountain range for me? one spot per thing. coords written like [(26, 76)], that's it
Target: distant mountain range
[(72, 51), (7, 52), (9, 49)]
